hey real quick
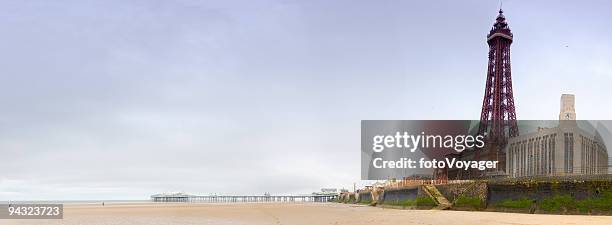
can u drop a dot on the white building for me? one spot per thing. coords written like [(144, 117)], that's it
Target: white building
[(562, 150)]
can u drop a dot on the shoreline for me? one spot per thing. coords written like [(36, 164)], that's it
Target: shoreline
[(291, 213)]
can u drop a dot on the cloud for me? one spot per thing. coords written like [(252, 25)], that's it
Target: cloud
[(123, 99)]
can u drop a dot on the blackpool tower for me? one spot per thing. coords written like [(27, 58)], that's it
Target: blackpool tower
[(498, 116)]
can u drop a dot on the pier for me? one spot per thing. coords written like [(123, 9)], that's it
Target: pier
[(181, 197)]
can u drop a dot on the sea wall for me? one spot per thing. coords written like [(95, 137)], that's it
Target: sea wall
[(399, 197), (529, 196), (550, 197), (405, 198), (365, 197)]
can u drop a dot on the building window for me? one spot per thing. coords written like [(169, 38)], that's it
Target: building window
[(569, 152)]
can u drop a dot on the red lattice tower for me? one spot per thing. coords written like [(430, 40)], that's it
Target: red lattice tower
[(498, 116)]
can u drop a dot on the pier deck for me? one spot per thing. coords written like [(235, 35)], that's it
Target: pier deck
[(242, 198)]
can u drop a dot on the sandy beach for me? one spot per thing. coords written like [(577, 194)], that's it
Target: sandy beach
[(291, 213)]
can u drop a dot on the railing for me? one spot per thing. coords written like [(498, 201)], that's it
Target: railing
[(568, 177), (416, 182), (558, 175)]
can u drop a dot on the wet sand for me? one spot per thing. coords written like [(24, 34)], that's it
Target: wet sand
[(291, 213)]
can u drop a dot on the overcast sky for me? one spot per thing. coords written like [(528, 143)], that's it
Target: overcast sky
[(124, 99)]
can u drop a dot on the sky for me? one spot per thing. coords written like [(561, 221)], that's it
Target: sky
[(124, 99)]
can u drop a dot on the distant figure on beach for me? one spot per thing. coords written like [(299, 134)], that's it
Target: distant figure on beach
[(102, 203)]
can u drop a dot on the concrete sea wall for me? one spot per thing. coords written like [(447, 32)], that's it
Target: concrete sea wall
[(548, 197), (593, 197), (564, 197), (365, 197), (399, 198), (406, 198)]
